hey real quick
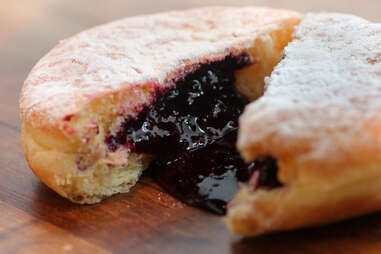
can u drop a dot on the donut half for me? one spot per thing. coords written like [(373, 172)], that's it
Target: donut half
[(320, 118), (79, 96)]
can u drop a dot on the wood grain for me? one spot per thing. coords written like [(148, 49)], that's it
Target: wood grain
[(33, 219)]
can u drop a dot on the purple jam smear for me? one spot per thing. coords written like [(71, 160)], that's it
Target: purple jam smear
[(192, 130), (263, 173)]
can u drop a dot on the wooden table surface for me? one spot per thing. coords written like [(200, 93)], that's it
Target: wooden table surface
[(33, 219)]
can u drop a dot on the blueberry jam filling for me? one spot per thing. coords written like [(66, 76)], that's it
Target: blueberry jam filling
[(191, 130)]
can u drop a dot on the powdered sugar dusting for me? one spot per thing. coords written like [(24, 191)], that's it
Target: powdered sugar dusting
[(133, 51), (323, 100)]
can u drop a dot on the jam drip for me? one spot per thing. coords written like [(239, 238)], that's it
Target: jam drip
[(207, 177), (191, 129)]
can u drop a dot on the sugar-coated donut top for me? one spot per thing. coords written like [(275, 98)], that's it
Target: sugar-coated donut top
[(134, 51), (323, 101)]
